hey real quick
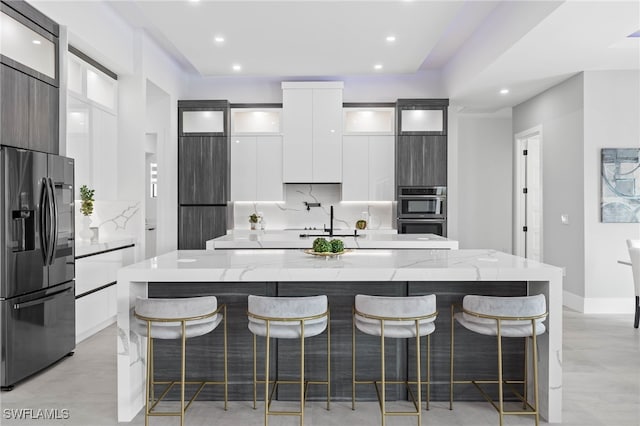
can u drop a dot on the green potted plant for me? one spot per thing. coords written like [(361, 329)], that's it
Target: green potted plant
[(86, 208), (253, 220)]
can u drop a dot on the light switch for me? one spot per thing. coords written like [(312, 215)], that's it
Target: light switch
[(564, 218)]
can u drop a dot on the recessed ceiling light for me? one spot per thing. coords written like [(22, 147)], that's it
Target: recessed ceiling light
[(635, 35), (377, 66), (391, 38), (237, 67), (504, 91), (218, 39), (36, 42), (194, 1)]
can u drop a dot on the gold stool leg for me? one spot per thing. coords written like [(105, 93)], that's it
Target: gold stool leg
[(418, 374), (266, 379), (254, 371), (500, 395), (328, 362), (301, 373), (535, 373), (226, 376), (383, 401), (526, 362), (182, 371), (353, 361), (149, 374), (428, 370)]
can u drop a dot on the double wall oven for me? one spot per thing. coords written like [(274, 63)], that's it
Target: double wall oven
[(422, 210)]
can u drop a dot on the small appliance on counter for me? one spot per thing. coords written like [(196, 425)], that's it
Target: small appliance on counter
[(422, 210), (37, 266)]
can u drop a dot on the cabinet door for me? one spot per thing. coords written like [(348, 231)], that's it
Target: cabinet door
[(327, 135), (381, 168), (243, 168), (197, 224), (435, 161), (202, 170), (269, 168), (355, 168), (14, 108), (104, 139), (422, 160), (297, 124), (43, 117)]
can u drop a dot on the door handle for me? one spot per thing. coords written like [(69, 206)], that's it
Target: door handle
[(52, 296), (44, 244), (53, 240)]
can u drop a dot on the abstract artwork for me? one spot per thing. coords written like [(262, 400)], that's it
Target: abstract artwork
[(620, 185)]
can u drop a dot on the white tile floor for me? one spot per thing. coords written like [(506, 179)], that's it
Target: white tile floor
[(601, 388)]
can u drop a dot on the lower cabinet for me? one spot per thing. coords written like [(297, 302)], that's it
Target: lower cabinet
[(197, 224), (96, 294)]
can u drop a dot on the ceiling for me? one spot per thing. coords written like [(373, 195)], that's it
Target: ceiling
[(478, 47)]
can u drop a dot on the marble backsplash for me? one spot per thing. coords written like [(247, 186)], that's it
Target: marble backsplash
[(114, 219), (293, 213)]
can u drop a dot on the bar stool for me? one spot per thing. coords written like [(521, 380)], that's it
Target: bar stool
[(181, 318), (399, 318), (634, 255), (503, 317), (288, 318)]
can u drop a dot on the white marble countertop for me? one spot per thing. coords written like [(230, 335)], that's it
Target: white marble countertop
[(290, 239), (86, 248), (357, 265)]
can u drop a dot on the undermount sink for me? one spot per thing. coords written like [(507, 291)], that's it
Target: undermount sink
[(327, 235)]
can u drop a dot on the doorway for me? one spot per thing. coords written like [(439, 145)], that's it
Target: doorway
[(528, 198)]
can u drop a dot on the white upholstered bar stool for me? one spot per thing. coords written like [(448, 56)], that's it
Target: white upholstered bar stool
[(520, 316), (634, 255), (179, 318), (288, 318), (398, 318)]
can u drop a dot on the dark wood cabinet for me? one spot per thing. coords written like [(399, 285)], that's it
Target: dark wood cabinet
[(197, 224), (29, 112), (203, 172), (421, 161), (203, 169)]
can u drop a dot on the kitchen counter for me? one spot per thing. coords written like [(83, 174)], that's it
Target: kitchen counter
[(232, 274), (290, 239)]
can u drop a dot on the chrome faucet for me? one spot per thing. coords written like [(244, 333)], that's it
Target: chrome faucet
[(330, 230)]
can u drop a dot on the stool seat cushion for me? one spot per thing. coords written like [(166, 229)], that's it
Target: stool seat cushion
[(395, 307), (280, 308), (177, 309), (510, 307)]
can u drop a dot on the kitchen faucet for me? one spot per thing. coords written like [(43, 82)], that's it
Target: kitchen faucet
[(330, 230)]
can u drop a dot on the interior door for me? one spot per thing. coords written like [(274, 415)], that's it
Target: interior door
[(23, 266), (62, 266)]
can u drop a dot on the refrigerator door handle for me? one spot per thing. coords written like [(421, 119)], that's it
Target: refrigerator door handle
[(52, 296), (44, 243), (53, 240)]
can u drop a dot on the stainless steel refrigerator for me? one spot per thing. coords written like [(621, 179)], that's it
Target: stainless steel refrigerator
[(37, 262)]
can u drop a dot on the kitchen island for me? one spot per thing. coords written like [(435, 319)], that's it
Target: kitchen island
[(232, 274), (292, 239)]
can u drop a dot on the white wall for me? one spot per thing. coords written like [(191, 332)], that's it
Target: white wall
[(425, 84), (611, 120), (559, 110), (485, 174)]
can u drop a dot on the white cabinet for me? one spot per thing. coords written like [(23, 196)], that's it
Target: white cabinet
[(96, 294), (256, 168), (368, 168), (312, 132)]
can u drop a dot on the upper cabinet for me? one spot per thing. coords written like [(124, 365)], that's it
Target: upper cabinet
[(363, 120), (312, 132), (422, 116), (252, 121), (368, 168), (203, 118), (29, 105)]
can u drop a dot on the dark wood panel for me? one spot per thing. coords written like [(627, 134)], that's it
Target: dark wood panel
[(203, 170), (421, 160), (33, 14), (204, 354), (14, 108), (43, 117), (197, 224)]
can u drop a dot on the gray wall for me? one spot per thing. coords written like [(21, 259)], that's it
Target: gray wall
[(485, 151), (559, 110), (611, 120)]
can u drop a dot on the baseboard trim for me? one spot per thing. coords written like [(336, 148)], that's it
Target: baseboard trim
[(93, 330), (598, 305)]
